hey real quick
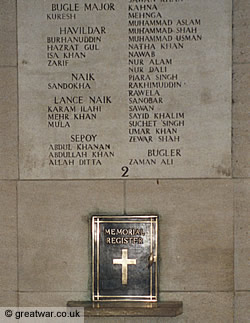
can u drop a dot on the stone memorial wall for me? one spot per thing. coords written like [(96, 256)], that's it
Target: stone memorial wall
[(125, 89), (124, 107)]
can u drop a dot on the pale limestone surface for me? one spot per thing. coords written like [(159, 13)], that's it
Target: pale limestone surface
[(241, 29), (8, 239), (8, 299), (202, 307), (195, 231), (47, 299), (242, 309), (8, 123), (198, 308), (105, 320), (142, 320), (242, 241), (241, 121), (8, 50), (54, 231), (204, 67)]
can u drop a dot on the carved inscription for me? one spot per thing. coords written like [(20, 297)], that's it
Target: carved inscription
[(124, 89), (124, 236)]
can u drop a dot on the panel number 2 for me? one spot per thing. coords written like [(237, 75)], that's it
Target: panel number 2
[(125, 171)]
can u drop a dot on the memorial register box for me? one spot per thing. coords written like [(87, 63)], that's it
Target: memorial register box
[(125, 268), (124, 89), (124, 258)]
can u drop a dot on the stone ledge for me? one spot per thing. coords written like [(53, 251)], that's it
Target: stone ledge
[(129, 309)]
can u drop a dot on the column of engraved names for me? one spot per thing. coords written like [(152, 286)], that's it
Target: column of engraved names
[(154, 37), (75, 102)]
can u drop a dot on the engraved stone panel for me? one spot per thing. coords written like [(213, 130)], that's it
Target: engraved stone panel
[(125, 89)]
